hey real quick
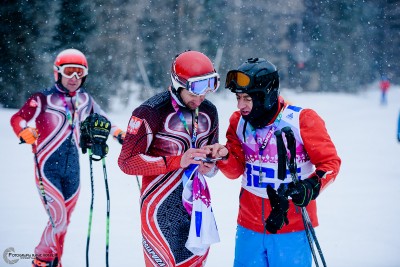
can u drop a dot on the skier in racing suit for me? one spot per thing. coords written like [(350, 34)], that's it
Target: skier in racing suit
[(57, 113), (164, 136), (251, 151)]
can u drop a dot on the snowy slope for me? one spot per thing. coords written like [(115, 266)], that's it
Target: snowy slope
[(358, 214)]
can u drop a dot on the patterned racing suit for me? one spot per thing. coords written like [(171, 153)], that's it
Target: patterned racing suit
[(57, 116), (155, 141)]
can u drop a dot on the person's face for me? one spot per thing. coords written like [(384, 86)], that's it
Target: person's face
[(244, 103), (71, 84), (192, 101)]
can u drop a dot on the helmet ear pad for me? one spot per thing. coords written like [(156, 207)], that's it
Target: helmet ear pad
[(264, 99), (271, 98)]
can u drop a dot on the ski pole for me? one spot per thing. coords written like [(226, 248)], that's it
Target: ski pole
[(138, 183), (283, 164), (108, 208), (41, 186), (43, 193), (91, 208), (310, 232), (291, 165)]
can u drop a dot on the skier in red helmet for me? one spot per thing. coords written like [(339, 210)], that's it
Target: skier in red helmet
[(49, 121), (164, 143)]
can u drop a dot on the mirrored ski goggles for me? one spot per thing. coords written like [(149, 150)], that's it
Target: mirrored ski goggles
[(71, 70), (203, 84), (236, 79)]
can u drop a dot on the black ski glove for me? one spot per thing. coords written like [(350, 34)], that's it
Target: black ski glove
[(94, 133), (85, 141), (278, 215), (304, 191)]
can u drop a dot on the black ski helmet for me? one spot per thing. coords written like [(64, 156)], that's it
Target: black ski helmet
[(258, 78)]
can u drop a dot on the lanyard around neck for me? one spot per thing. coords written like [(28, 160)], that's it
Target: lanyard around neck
[(262, 145), (183, 120), (71, 118)]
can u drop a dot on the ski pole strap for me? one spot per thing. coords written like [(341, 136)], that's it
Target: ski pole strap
[(291, 144), (282, 155)]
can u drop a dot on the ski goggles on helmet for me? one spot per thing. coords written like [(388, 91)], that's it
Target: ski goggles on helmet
[(203, 84), (71, 70), (239, 81)]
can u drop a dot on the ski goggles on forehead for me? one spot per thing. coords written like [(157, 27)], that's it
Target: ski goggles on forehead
[(238, 80), (71, 70), (203, 84)]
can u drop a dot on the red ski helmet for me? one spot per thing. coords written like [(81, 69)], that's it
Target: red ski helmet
[(190, 69), (72, 57)]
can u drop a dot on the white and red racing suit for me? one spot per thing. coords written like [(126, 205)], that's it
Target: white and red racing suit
[(155, 141), (57, 116)]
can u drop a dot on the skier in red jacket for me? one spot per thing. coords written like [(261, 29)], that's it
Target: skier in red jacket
[(384, 85), (251, 152)]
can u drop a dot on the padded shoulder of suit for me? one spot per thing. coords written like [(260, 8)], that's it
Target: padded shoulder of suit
[(158, 100)]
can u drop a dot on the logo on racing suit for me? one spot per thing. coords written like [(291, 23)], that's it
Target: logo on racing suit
[(134, 125), (152, 253)]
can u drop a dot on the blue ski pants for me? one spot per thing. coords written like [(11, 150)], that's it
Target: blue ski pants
[(271, 250)]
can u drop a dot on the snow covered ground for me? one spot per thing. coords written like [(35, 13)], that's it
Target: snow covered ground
[(359, 213)]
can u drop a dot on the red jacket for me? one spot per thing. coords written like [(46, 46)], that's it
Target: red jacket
[(384, 85), (253, 209)]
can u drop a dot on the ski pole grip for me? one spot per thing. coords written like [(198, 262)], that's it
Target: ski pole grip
[(288, 132), (282, 157), (291, 144), (278, 133)]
